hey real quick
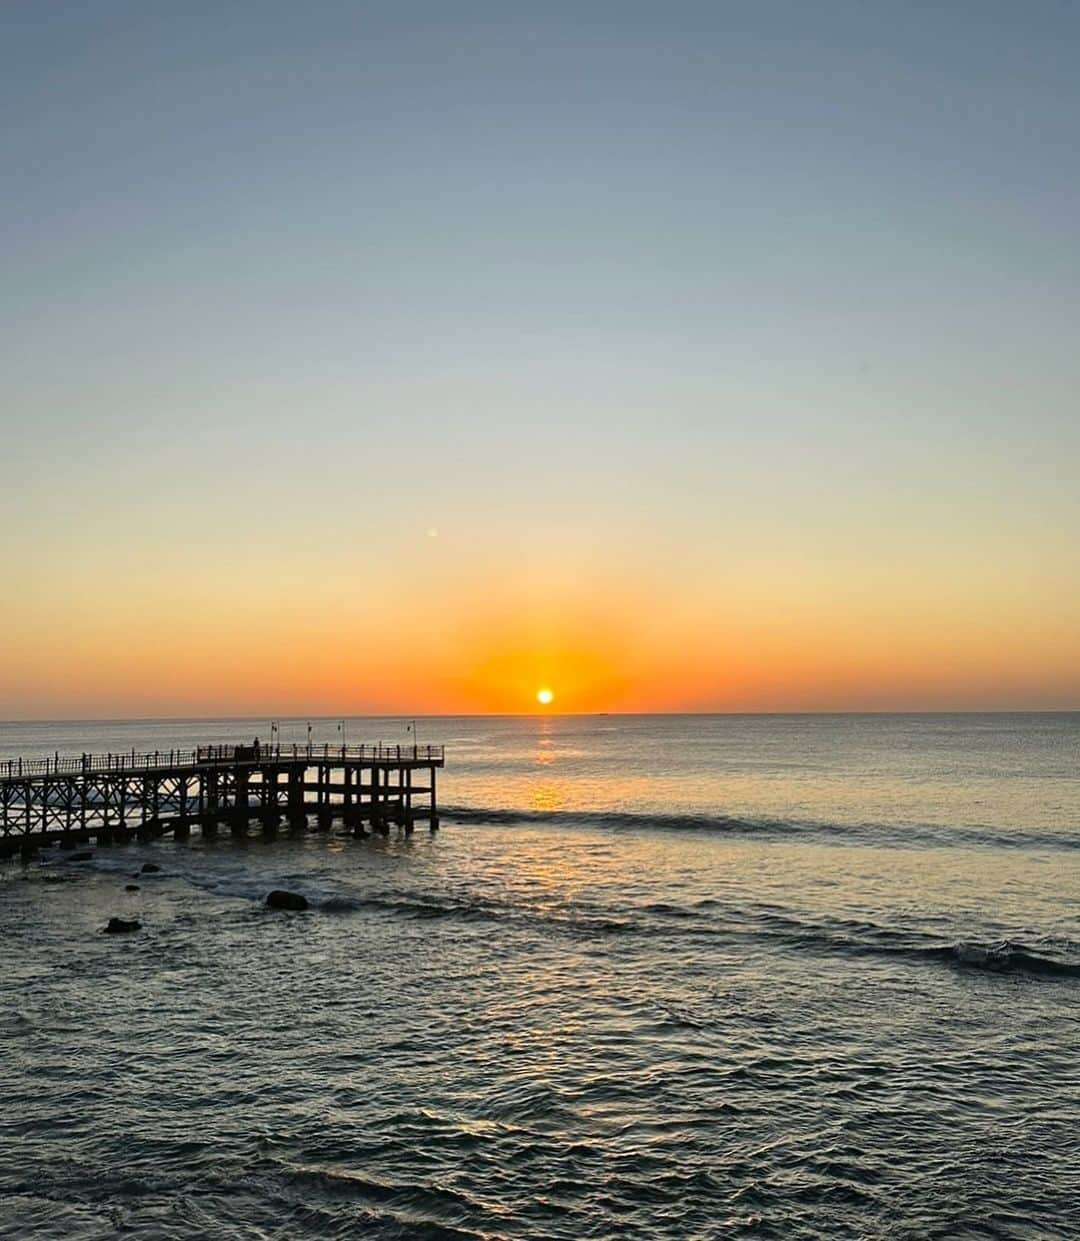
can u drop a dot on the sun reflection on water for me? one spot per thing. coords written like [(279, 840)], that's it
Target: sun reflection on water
[(547, 797)]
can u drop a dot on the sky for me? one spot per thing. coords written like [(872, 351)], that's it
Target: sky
[(411, 357)]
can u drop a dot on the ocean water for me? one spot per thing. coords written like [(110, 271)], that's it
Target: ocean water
[(656, 977)]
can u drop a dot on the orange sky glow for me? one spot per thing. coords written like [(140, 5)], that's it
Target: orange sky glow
[(626, 648)]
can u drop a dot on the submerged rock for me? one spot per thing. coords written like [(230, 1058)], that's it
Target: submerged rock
[(84, 855), (279, 899), (120, 926), (149, 868), (131, 887)]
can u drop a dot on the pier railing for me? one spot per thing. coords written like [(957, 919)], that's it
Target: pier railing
[(213, 755)]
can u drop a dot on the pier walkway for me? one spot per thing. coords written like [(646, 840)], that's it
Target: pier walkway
[(112, 798)]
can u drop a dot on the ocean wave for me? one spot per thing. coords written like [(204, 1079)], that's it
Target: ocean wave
[(413, 1199), (407, 906), (848, 937), (1005, 957), (710, 923), (923, 835), (714, 922)]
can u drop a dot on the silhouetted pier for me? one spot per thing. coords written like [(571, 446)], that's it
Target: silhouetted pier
[(112, 798)]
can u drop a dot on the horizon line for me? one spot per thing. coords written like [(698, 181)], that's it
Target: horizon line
[(268, 717)]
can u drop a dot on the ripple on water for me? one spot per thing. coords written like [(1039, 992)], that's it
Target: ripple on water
[(486, 1036)]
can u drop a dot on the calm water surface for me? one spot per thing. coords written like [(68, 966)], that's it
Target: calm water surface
[(799, 977)]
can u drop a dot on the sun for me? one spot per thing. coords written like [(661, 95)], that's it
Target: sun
[(545, 697)]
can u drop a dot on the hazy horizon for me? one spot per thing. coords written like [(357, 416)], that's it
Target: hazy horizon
[(269, 717)]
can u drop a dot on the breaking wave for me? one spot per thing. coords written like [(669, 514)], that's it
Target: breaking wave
[(923, 835), (1006, 958)]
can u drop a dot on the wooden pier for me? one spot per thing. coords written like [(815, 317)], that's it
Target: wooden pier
[(112, 798)]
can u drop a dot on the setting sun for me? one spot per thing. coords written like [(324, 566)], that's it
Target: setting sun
[(544, 697)]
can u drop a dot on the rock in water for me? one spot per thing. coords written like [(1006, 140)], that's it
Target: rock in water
[(286, 900), (149, 868), (119, 926), (131, 887), (84, 856)]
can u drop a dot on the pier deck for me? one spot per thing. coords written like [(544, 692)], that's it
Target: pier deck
[(111, 798)]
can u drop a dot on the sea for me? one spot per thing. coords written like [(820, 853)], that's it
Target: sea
[(710, 976)]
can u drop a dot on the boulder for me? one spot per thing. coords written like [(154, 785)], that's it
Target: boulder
[(279, 899), (120, 926), (149, 868), (131, 887)]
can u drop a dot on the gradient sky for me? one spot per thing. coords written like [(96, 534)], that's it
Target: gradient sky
[(406, 357)]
